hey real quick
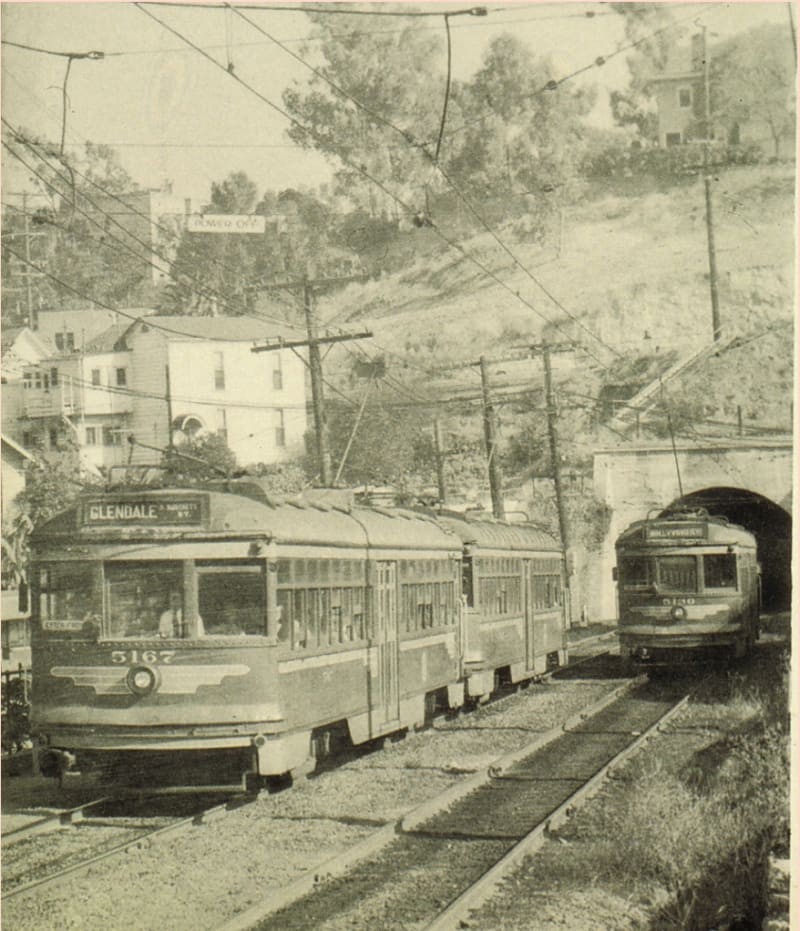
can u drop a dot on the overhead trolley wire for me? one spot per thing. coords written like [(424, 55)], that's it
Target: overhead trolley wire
[(20, 137), (358, 168), (434, 160)]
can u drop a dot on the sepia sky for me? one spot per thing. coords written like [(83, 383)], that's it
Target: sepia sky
[(174, 116)]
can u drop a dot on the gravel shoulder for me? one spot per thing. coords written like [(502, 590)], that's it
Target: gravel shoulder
[(201, 879)]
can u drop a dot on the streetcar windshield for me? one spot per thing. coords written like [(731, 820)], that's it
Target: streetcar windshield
[(719, 570), (145, 600), (678, 573), (636, 571), (68, 597)]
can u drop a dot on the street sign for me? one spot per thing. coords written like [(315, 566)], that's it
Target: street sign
[(226, 223)]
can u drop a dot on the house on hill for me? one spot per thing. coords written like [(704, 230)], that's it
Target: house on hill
[(751, 81), (165, 378)]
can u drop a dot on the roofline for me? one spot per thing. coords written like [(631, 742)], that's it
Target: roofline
[(776, 443)]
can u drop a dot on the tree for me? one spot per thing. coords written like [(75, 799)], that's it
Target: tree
[(645, 24), (396, 75), (51, 485), (518, 136), (218, 271), (80, 246), (200, 459), (753, 81)]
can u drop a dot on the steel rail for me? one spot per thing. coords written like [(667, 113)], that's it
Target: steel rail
[(145, 840), (50, 822), (455, 916)]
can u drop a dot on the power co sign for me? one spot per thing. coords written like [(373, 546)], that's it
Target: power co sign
[(226, 223)]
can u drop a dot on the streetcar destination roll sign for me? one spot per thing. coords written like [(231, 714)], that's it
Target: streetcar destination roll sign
[(679, 530), (143, 512)]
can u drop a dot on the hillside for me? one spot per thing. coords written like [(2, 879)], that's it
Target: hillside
[(630, 267)]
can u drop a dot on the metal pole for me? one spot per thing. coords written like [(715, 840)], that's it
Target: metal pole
[(489, 429), (438, 446), (317, 391), (716, 325), (29, 293), (170, 448), (552, 433)]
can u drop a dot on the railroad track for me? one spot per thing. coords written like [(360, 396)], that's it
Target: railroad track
[(104, 823), (482, 817)]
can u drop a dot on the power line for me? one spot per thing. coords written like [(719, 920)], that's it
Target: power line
[(99, 303), (586, 15), (599, 62), (381, 185), (129, 209), (331, 9), (92, 56)]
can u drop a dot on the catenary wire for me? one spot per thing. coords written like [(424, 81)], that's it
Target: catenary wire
[(363, 172)]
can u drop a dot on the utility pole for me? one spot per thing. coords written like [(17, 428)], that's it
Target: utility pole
[(716, 325), (438, 452), (313, 342), (545, 349), (28, 274), (317, 387), (490, 433)]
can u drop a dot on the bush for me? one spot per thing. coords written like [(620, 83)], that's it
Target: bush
[(620, 161)]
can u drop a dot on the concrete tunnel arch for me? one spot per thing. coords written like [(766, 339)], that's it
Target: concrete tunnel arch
[(768, 522)]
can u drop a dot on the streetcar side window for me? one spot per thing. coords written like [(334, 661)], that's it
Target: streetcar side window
[(636, 571), (231, 599), (678, 573), (144, 600), (719, 570), (546, 591), (321, 603)]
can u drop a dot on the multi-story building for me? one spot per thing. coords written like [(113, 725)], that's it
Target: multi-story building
[(168, 378)]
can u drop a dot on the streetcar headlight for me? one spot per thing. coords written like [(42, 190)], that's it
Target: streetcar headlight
[(679, 613), (141, 680)]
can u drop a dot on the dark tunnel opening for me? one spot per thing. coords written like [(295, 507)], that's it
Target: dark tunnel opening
[(768, 522)]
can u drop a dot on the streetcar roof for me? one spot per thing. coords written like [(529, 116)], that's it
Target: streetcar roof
[(716, 531), (499, 535), (246, 509)]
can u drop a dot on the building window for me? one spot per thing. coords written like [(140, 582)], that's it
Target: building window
[(27, 439), (95, 376), (91, 436), (122, 377), (684, 97), (111, 437), (222, 424), (45, 381), (53, 436), (280, 430), (27, 379), (673, 139), (219, 371), (37, 378), (277, 373), (53, 377), (65, 341)]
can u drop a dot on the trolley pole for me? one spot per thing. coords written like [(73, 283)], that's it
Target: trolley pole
[(490, 433), (438, 451), (716, 324)]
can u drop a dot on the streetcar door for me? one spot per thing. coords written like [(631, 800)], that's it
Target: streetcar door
[(530, 617), (386, 691)]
